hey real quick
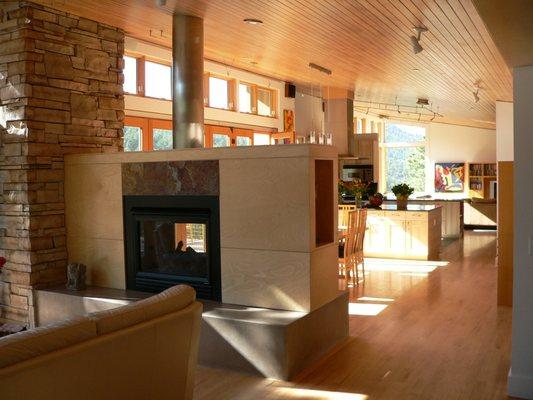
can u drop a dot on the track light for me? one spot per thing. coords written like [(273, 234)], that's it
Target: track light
[(415, 40), (477, 88), (476, 95)]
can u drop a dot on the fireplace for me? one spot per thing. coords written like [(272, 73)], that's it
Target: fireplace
[(171, 240)]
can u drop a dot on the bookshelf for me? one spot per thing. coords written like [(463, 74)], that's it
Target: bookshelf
[(479, 177)]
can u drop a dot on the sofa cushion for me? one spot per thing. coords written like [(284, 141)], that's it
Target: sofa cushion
[(25, 345), (172, 299)]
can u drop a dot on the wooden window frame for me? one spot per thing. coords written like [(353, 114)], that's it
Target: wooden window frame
[(139, 78), (274, 93), (157, 124), (231, 91), (232, 133), (147, 125), (209, 130), (232, 88), (254, 98), (141, 123), (143, 71), (249, 133), (273, 101)]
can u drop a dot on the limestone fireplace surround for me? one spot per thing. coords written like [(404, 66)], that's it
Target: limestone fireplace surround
[(281, 309), (271, 253)]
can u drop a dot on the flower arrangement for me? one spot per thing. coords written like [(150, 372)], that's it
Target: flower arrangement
[(353, 188)]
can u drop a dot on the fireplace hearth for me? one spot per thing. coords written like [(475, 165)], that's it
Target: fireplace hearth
[(171, 240)]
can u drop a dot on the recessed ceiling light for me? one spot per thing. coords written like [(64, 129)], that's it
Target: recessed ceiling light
[(253, 21)]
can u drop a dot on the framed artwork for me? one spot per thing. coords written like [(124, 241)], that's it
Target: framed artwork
[(288, 121), (449, 177)]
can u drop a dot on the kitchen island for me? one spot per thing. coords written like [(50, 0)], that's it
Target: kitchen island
[(411, 234), (452, 211)]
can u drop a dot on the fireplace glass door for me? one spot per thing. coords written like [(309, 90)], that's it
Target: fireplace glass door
[(173, 248), (172, 240)]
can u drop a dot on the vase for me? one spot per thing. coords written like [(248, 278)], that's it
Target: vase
[(401, 204)]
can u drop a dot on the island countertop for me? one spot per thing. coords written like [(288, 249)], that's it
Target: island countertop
[(410, 207)]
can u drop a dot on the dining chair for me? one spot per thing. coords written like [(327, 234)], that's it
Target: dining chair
[(353, 254), (344, 209), (359, 241)]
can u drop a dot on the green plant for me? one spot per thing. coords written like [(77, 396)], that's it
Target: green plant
[(402, 191)]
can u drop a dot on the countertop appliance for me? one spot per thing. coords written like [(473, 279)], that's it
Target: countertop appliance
[(363, 172)]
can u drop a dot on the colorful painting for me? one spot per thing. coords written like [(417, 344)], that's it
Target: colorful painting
[(288, 121), (449, 177)]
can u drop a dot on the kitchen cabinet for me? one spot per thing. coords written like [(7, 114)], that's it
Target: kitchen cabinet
[(452, 215), (480, 213), (364, 146), (412, 234)]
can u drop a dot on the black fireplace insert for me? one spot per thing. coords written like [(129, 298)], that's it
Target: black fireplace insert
[(171, 240)]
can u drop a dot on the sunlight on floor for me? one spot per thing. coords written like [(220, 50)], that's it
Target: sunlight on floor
[(383, 299), (415, 274), (367, 309), (296, 393), (378, 264)]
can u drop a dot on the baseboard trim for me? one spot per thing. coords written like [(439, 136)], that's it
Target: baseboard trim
[(520, 386)]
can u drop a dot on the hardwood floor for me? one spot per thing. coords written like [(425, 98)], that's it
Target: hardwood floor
[(436, 334)]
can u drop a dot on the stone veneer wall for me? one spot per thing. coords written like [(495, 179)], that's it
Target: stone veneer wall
[(60, 92)]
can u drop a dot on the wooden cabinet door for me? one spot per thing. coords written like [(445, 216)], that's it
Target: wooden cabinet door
[(364, 147), (416, 237), (375, 237), (396, 236)]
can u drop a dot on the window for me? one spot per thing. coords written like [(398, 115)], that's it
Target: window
[(157, 80), (130, 75), (132, 138), (223, 136), (220, 93), (261, 139), (221, 140), (404, 148), (258, 100), (153, 79), (246, 103), (162, 139), (264, 102), (147, 134), (359, 126)]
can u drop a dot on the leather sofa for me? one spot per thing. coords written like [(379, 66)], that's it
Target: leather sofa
[(146, 350)]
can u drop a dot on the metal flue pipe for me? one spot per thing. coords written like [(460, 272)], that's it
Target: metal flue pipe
[(187, 81)]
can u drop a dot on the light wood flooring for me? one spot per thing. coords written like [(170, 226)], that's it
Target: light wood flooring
[(418, 330)]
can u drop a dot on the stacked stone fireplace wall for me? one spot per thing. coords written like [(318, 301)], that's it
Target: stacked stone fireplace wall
[(60, 92)]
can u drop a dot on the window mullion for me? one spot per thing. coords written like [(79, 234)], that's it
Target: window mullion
[(140, 76), (254, 99)]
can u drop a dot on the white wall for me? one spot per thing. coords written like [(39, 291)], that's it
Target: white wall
[(308, 114), (521, 374), (504, 131), (162, 109), (454, 143)]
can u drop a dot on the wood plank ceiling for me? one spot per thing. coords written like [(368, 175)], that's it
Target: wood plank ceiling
[(364, 42), (511, 26)]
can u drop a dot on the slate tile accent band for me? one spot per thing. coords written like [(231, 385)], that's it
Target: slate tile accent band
[(186, 178)]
